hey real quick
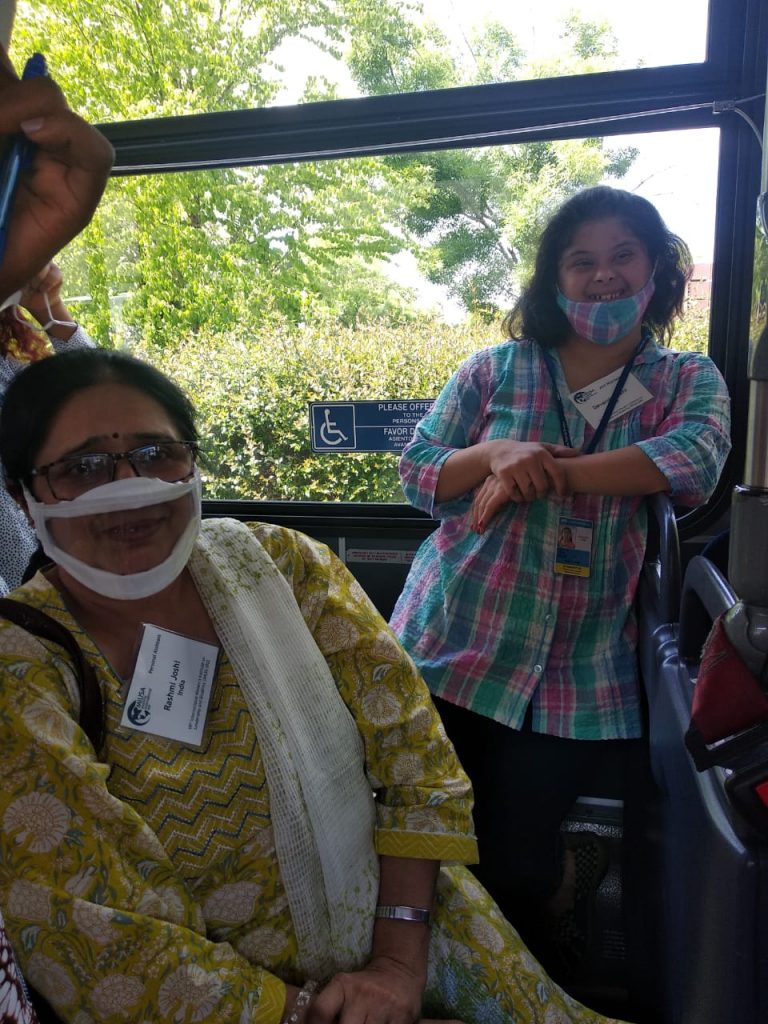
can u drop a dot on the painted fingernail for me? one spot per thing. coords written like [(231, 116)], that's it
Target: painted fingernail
[(33, 125)]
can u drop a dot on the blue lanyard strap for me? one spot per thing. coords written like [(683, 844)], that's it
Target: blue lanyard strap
[(607, 412)]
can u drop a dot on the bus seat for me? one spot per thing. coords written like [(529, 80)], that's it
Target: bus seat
[(701, 901)]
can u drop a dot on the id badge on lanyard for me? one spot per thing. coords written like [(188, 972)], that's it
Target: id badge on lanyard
[(573, 555), (598, 403), (170, 689), (592, 400)]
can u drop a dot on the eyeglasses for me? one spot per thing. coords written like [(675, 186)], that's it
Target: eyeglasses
[(164, 460)]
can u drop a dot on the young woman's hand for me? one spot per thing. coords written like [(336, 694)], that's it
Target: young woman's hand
[(383, 992), (530, 469), (490, 496), (59, 192)]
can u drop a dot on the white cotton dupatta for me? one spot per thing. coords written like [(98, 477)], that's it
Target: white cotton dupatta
[(321, 802)]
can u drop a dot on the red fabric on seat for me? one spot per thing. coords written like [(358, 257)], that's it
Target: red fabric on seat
[(727, 698)]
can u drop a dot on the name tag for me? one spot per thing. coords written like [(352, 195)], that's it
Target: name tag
[(592, 400), (573, 555), (171, 686)]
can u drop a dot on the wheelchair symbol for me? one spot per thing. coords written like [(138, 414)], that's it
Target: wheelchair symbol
[(329, 432)]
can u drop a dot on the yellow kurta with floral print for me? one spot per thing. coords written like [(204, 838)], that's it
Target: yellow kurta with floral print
[(145, 886)]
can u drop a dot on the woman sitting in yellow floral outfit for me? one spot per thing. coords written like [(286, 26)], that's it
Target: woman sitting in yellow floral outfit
[(207, 878)]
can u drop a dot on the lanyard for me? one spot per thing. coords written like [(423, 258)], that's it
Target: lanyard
[(607, 413)]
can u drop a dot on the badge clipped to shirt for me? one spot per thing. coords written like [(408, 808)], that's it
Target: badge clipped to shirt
[(574, 547), (171, 686), (592, 400)]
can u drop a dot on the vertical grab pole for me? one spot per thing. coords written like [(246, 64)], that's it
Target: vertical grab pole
[(748, 549), (747, 622)]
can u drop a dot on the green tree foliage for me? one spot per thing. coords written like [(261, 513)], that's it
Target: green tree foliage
[(199, 251), (203, 251), (482, 218), (193, 252), (127, 59), (691, 333), (759, 286)]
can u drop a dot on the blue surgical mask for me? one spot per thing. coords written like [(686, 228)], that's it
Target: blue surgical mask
[(605, 323)]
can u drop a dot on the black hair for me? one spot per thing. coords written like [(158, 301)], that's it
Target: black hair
[(536, 313), (35, 396)]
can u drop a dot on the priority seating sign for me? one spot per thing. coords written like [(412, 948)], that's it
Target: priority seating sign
[(365, 426)]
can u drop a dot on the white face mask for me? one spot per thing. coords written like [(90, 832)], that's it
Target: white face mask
[(122, 496)]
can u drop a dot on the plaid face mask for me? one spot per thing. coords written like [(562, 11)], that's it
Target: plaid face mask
[(607, 322)]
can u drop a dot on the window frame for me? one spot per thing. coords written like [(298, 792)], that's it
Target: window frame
[(610, 103)]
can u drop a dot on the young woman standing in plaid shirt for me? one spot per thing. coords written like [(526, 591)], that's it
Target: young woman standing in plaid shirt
[(528, 644)]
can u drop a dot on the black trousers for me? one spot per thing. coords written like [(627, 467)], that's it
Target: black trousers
[(525, 783)]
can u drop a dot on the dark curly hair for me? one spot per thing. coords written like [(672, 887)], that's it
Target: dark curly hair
[(536, 313)]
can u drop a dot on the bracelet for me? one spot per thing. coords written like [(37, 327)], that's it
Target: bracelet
[(399, 913), (300, 1003)]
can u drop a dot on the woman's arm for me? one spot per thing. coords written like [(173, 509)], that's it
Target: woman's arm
[(683, 458), (447, 459), (448, 430), (525, 469), (623, 472), (691, 444), (424, 798), (405, 881), (394, 978), (686, 453)]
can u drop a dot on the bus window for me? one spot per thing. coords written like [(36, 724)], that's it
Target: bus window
[(263, 290), (148, 60)]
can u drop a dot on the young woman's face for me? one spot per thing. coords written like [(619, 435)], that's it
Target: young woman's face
[(112, 418), (604, 261)]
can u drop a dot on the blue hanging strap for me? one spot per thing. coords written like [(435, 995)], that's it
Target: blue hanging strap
[(607, 412)]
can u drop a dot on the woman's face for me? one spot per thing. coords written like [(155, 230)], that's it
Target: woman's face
[(112, 418), (604, 261)]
